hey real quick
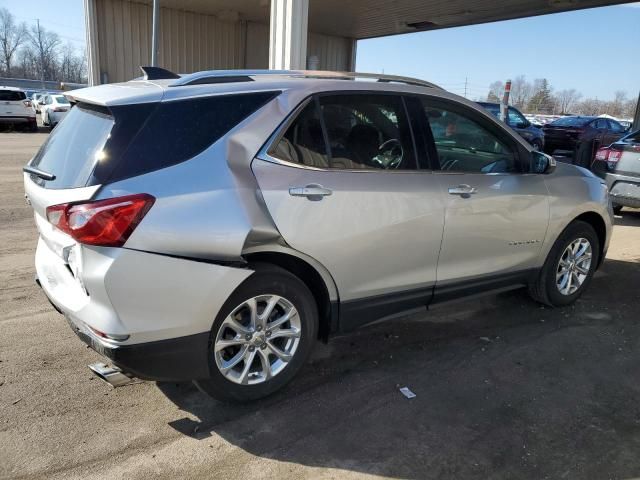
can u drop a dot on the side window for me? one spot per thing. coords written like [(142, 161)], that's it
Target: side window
[(303, 142), (465, 145), (615, 127), (368, 132), (516, 119), (600, 123)]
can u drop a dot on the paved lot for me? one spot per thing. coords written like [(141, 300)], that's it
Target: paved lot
[(545, 394)]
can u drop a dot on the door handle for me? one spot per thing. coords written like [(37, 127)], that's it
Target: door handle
[(463, 190), (312, 191)]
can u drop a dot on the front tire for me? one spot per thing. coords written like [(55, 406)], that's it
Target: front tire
[(569, 267), (617, 209), (261, 337)]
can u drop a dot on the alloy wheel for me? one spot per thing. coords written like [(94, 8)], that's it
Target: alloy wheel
[(574, 265), (257, 340)]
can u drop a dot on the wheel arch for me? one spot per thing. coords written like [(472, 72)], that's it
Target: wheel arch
[(318, 280), (597, 222)]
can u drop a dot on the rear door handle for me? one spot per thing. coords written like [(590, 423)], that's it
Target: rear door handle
[(463, 190), (312, 191)]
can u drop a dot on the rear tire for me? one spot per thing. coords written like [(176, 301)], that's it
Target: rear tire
[(548, 288), (267, 371)]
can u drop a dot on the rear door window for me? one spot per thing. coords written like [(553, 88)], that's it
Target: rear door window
[(350, 132), (303, 142), (368, 131)]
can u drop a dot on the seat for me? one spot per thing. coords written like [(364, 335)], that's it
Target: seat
[(362, 146)]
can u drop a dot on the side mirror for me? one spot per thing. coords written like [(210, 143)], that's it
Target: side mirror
[(542, 163)]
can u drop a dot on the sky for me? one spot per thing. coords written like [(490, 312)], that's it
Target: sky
[(593, 51)]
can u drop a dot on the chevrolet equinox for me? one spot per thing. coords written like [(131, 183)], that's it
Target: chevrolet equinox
[(211, 227)]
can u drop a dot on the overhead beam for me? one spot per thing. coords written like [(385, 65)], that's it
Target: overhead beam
[(288, 34)]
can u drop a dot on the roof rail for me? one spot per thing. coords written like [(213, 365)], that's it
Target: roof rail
[(225, 76), (372, 76)]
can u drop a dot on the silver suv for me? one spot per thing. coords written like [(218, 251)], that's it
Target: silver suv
[(213, 226)]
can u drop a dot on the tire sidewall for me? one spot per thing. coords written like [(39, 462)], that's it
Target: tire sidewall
[(572, 232), (268, 281)]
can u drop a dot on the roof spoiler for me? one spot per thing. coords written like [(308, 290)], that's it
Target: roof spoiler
[(157, 73)]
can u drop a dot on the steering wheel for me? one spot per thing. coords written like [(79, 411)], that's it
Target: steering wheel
[(390, 154)]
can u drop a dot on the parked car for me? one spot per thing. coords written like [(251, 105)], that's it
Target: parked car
[(36, 98), (15, 109), (213, 228), (619, 165), (581, 135), (516, 120), (53, 109)]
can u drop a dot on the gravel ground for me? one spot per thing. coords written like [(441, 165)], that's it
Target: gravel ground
[(506, 389)]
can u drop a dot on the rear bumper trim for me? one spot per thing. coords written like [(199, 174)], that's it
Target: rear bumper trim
[(177, 359)]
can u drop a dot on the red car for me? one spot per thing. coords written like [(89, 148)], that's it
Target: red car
[(581, 135)]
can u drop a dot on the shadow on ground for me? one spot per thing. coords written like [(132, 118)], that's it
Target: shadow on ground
[(505, 389), (628, 218)]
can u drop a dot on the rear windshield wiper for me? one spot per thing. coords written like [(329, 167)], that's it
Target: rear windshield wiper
[(38, 173)]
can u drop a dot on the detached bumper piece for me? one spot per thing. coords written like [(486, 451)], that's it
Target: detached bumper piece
[(112, 375), (174, 360)]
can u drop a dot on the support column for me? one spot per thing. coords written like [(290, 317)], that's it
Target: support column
[(288, 34), (636, 117), (154, 33), (91, 28)]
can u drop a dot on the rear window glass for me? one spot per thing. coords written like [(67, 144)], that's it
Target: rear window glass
[(12, 96), (61, 99), (96, 145), (73, 148), (571, 121)]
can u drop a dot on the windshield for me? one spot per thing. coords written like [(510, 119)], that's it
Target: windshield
[(492, 108), (571, 121)]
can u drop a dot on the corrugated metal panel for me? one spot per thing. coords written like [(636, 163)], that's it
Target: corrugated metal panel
[(188, 41), (257, 45), (334, 53)]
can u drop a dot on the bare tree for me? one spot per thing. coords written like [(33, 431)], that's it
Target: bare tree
[(590, 106), (495, 91), (45, 44), (72, 66), (616, 107), (520, 92), (566, 100), (11, 37)]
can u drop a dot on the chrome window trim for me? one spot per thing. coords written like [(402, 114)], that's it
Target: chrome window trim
[(275, 137)]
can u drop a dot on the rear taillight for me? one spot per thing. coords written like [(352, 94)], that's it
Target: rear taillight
[(107, 223), (608, 155)]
